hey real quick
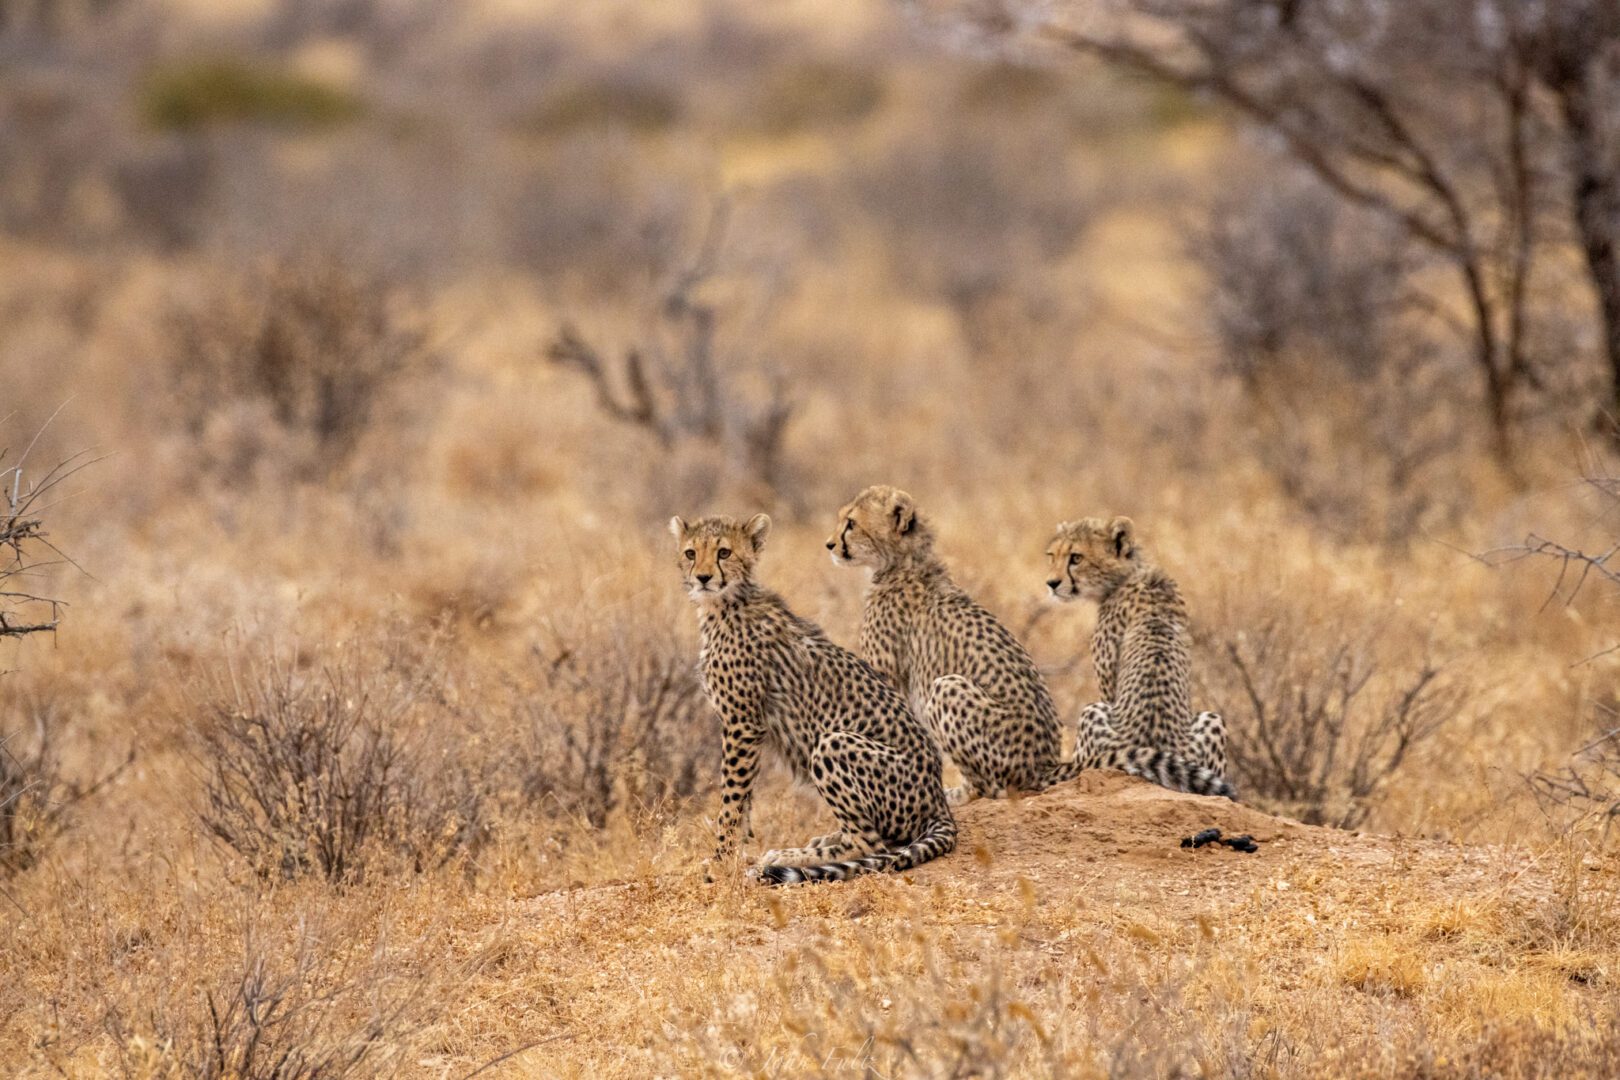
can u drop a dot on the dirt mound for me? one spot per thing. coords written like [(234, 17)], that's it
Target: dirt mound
[(1111, 815), (1083, 890), (1117, 839)]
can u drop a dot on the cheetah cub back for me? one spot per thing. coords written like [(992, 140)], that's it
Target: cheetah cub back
[(965, 675), (778, 683), (1140, 650)]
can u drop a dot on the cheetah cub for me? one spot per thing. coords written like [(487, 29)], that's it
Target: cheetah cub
[(1140, 648), (777, 681), (965, 675), (963, 672)]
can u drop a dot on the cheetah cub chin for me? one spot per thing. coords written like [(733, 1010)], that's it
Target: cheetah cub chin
[(965, 675), (777, 681), (1140, 649)]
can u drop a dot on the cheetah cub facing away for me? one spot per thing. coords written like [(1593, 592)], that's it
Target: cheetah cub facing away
[(1140, 647), (966, 676), (777, 681)]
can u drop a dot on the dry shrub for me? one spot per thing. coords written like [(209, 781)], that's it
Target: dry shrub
[(1323, 716), (616, 720), (892, 999), (893, 1006), (1581, 800), (1589, 1050), (37, 799), (1381, 965), (289, 368), (320, 770), (322, 1011)]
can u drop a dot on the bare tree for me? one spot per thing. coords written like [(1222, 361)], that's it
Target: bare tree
[(292, 365), (1576, 55), (1349, 380), (36, 799), (1589, 785), (673, 385), (1446, 119)]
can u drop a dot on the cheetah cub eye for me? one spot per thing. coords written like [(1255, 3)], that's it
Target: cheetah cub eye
[(724, 553), (691, 556)]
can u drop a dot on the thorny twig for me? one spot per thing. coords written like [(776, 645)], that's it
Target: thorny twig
[(1575, 567), (22, 534), (1591, 782)]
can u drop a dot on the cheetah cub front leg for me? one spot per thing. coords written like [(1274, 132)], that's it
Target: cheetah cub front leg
[(741, 744)]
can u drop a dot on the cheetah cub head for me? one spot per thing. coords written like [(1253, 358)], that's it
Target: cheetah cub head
[(876, 526), (1089, 558), (717, 554)]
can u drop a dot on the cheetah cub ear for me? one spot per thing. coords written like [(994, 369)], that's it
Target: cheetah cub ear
[(904, 512), (758, 527), (1123, 530), (677, 528)]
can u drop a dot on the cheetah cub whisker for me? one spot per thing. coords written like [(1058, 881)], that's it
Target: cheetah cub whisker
[(778, 682), (964, 673), (1141, 653)]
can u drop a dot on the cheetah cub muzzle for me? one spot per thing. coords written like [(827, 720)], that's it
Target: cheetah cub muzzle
[(1141, 653), (777, 682)]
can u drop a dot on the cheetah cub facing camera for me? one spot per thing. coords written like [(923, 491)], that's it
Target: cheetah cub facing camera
[(1140, 648), (777, 681), (966, 676)]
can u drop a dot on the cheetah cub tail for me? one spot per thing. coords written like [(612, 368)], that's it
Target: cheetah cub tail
[(1062, 772), (1169, 770), (1159, 766), (938, 839)]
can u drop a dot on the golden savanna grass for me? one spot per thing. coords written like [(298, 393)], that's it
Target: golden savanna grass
[(470, 569)]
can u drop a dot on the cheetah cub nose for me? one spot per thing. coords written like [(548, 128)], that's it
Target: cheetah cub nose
[(830, 545), (703, 579), (1053, 583)]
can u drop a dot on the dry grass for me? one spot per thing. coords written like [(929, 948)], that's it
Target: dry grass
[(433, 557)]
